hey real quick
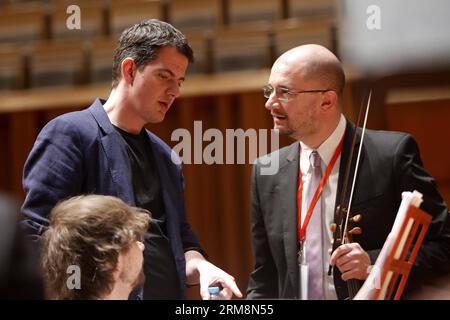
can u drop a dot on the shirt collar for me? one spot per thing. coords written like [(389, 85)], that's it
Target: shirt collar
[(326, 149)]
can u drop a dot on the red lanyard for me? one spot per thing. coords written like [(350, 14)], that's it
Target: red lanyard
[(302, 228)]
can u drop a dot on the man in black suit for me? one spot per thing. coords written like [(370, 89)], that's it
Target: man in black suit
[(304, 97)]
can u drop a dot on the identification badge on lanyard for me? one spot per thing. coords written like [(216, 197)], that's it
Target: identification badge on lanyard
[(302, 273)]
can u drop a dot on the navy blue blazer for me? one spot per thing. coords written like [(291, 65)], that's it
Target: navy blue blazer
[(80, 153)]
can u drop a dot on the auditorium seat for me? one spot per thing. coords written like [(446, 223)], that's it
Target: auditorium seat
[(101, 59), (241, 47), (290, 33), (58, 63), (22, 23), (200, 42), (253, 10), (194, 14), (126, 13), (306, 8), (11, 71), (92, 19)]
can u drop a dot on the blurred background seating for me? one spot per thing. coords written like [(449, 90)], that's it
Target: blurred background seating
[(93, 19), (195, 14), (57, 63), (126, 13), (23, 22)]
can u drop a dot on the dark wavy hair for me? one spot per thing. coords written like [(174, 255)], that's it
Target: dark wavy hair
[(142, 41), (89, 232)]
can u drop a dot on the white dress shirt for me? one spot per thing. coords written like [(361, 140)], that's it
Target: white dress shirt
[(328, 197)]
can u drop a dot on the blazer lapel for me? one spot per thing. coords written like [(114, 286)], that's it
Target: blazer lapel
[(117, 161), (289, 184)]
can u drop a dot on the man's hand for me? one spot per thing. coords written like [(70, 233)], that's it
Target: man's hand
[(200, 270), (211, 275), (352, 261)]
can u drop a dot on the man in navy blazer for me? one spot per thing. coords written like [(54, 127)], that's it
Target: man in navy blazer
[(105, 149)]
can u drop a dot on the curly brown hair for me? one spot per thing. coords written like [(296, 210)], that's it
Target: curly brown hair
[(89, 232)]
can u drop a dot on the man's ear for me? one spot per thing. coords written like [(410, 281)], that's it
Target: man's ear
[(119, 267), (329, 100), (128, 70)]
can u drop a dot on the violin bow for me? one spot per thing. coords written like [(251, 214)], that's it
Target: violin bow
[(340, 230)]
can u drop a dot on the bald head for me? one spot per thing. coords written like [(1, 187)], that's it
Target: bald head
[(316, 64)]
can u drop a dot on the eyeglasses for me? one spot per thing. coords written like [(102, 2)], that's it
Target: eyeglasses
[(284, 94)]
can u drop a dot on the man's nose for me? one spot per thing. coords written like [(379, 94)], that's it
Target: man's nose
[(174, 90), (270, 102)]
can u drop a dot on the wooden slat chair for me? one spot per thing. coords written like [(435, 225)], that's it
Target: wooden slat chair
[(195, 14), (58, 63), (124, 14), (200, 42), (101, 59), (242, 47), (22, 23), (92, 19), (292, 32), (11, 67), (307, 8), (253, 10)]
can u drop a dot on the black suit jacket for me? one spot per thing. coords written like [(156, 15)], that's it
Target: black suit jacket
[(390, 164)]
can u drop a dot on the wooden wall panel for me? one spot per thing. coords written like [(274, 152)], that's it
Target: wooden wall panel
[(4, 154), (428, 122), (23, 131)]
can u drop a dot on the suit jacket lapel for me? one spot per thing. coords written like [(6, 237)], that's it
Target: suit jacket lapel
[(289, 184), (117, 161)]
